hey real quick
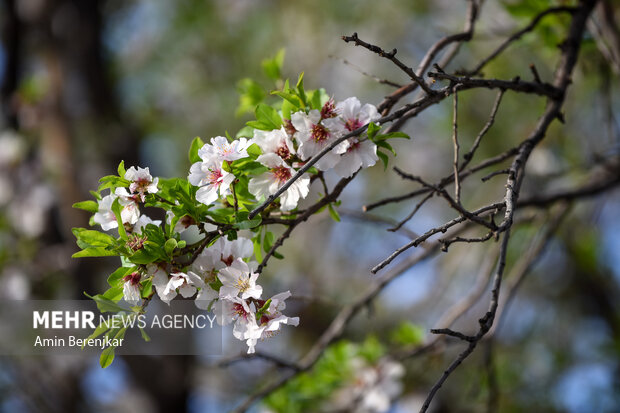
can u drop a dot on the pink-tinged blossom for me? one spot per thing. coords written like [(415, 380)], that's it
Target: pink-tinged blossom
[(130, 211), (131, 288), (214, 182), (105, 217), (359, 154), (270, 321), (313, 136), (184, 284), (231, 309), (275, 141), (141, 182), (221, 150), (239, 279), (269, 182)]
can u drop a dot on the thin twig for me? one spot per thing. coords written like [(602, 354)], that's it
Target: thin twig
[(392, 57)]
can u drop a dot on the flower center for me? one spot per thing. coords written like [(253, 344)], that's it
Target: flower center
[(242, 284), (354, 145), (239, 311), (228, 261), (135, 242), (186, 221), (283, 152), (353, 124), (319, 133), (214, 177), (328, 110), (281, 173), (133, 278)]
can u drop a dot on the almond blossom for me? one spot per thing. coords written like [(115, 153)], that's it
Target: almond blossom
[(214, 182), (131, 287), (222, 150), (105, 217), (141, 182), (358, 154), (269, 182), (275, 141), (238, 279), (313, 136), (186, 284)]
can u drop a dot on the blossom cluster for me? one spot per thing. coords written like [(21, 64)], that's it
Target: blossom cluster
[(284, 150), (221, 275)]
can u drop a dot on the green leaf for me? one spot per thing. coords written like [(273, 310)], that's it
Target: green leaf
[(101, 328), (384, 158), (391, 135), (94, 252), (197, 143), (250, 94), (373, 129), (117, 276), (170, 246), (273, 67), (104, 304), (407, 334), (254, 151), (116, 208), (268, 241), (268, 116), (90, 206), (300, 89), (245, 132), (107, 357), (333, 213), (385, 145), (257, 247), (263, 309), (144, 256), (145, 336), (249, 224), (121, 169), (294, 100), (93, 238)]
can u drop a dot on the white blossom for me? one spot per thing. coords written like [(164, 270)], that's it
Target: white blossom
[(313, 136), (186, 284), (212, 180), (130, 211), (104, 216), (358, 154), (221, 150), (131, 288), (269, 182), (239, 279), (141, 182), (275, 141)]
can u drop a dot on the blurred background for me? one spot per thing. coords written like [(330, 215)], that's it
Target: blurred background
[(86, 84)]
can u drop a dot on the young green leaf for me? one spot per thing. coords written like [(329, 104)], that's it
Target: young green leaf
[(333, 213), (116, 208), (197, 143), (90, 206), (121, 169)]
